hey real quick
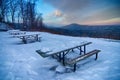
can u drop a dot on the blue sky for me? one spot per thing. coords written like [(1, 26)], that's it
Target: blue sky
[(44, 8), (86, 12)]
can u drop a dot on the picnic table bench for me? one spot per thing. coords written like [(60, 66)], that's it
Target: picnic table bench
[(82, 57), (30, 37)]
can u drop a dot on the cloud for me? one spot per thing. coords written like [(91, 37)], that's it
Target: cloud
[(58, 13), (85, 11), (55, 13), (54, 17), (68, 5), (104, 22)]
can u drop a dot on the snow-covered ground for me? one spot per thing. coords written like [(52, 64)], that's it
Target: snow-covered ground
[(20, 61), (4, 26)]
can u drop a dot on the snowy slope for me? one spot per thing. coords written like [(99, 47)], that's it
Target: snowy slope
[(4, 27), (19, 61)]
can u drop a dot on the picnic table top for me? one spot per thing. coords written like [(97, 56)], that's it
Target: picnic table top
[(14, 30), (22, 35), (45, 53)]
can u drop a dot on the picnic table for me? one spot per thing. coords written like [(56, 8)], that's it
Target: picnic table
[(61, 54), (16, 32), (29, 38)]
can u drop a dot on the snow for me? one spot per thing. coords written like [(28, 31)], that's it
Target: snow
[(4, 26), (20, 61)]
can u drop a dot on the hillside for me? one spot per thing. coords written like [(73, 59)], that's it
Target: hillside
[(4, 27), (20, 61)]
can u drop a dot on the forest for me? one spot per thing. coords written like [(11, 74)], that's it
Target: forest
[(21, 13)]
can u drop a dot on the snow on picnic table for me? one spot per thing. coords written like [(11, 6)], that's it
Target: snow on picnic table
[(20, 61)]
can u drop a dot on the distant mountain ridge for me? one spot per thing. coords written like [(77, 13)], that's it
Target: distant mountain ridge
[(102, 31), (77, 26)]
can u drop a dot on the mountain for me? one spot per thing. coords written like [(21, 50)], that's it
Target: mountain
[(99, 31), (91, 27), (73, 26)]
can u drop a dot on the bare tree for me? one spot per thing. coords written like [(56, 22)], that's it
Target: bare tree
[(39, 21), (29, 14), (13, 9), (3, 9), (21, 11)]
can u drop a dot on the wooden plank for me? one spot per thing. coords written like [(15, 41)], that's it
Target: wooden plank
[(87, 43), (25, 38), (43, 54), (17, 32), (27, 35), (82, 57)]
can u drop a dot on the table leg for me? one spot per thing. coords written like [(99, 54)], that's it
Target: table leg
[(84, 49), (74, 67), (36, 37), (63, 58), (60, 57), (24, 40), (96, 56)]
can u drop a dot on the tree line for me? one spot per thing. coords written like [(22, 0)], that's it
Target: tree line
[(21, 12)]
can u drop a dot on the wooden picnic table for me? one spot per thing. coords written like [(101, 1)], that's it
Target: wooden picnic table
[(16, 32), (61, 54), (25, 38)]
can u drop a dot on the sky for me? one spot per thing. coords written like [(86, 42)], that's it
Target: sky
[(84, 12)]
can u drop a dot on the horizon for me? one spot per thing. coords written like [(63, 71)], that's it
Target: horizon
[(60, 25)]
